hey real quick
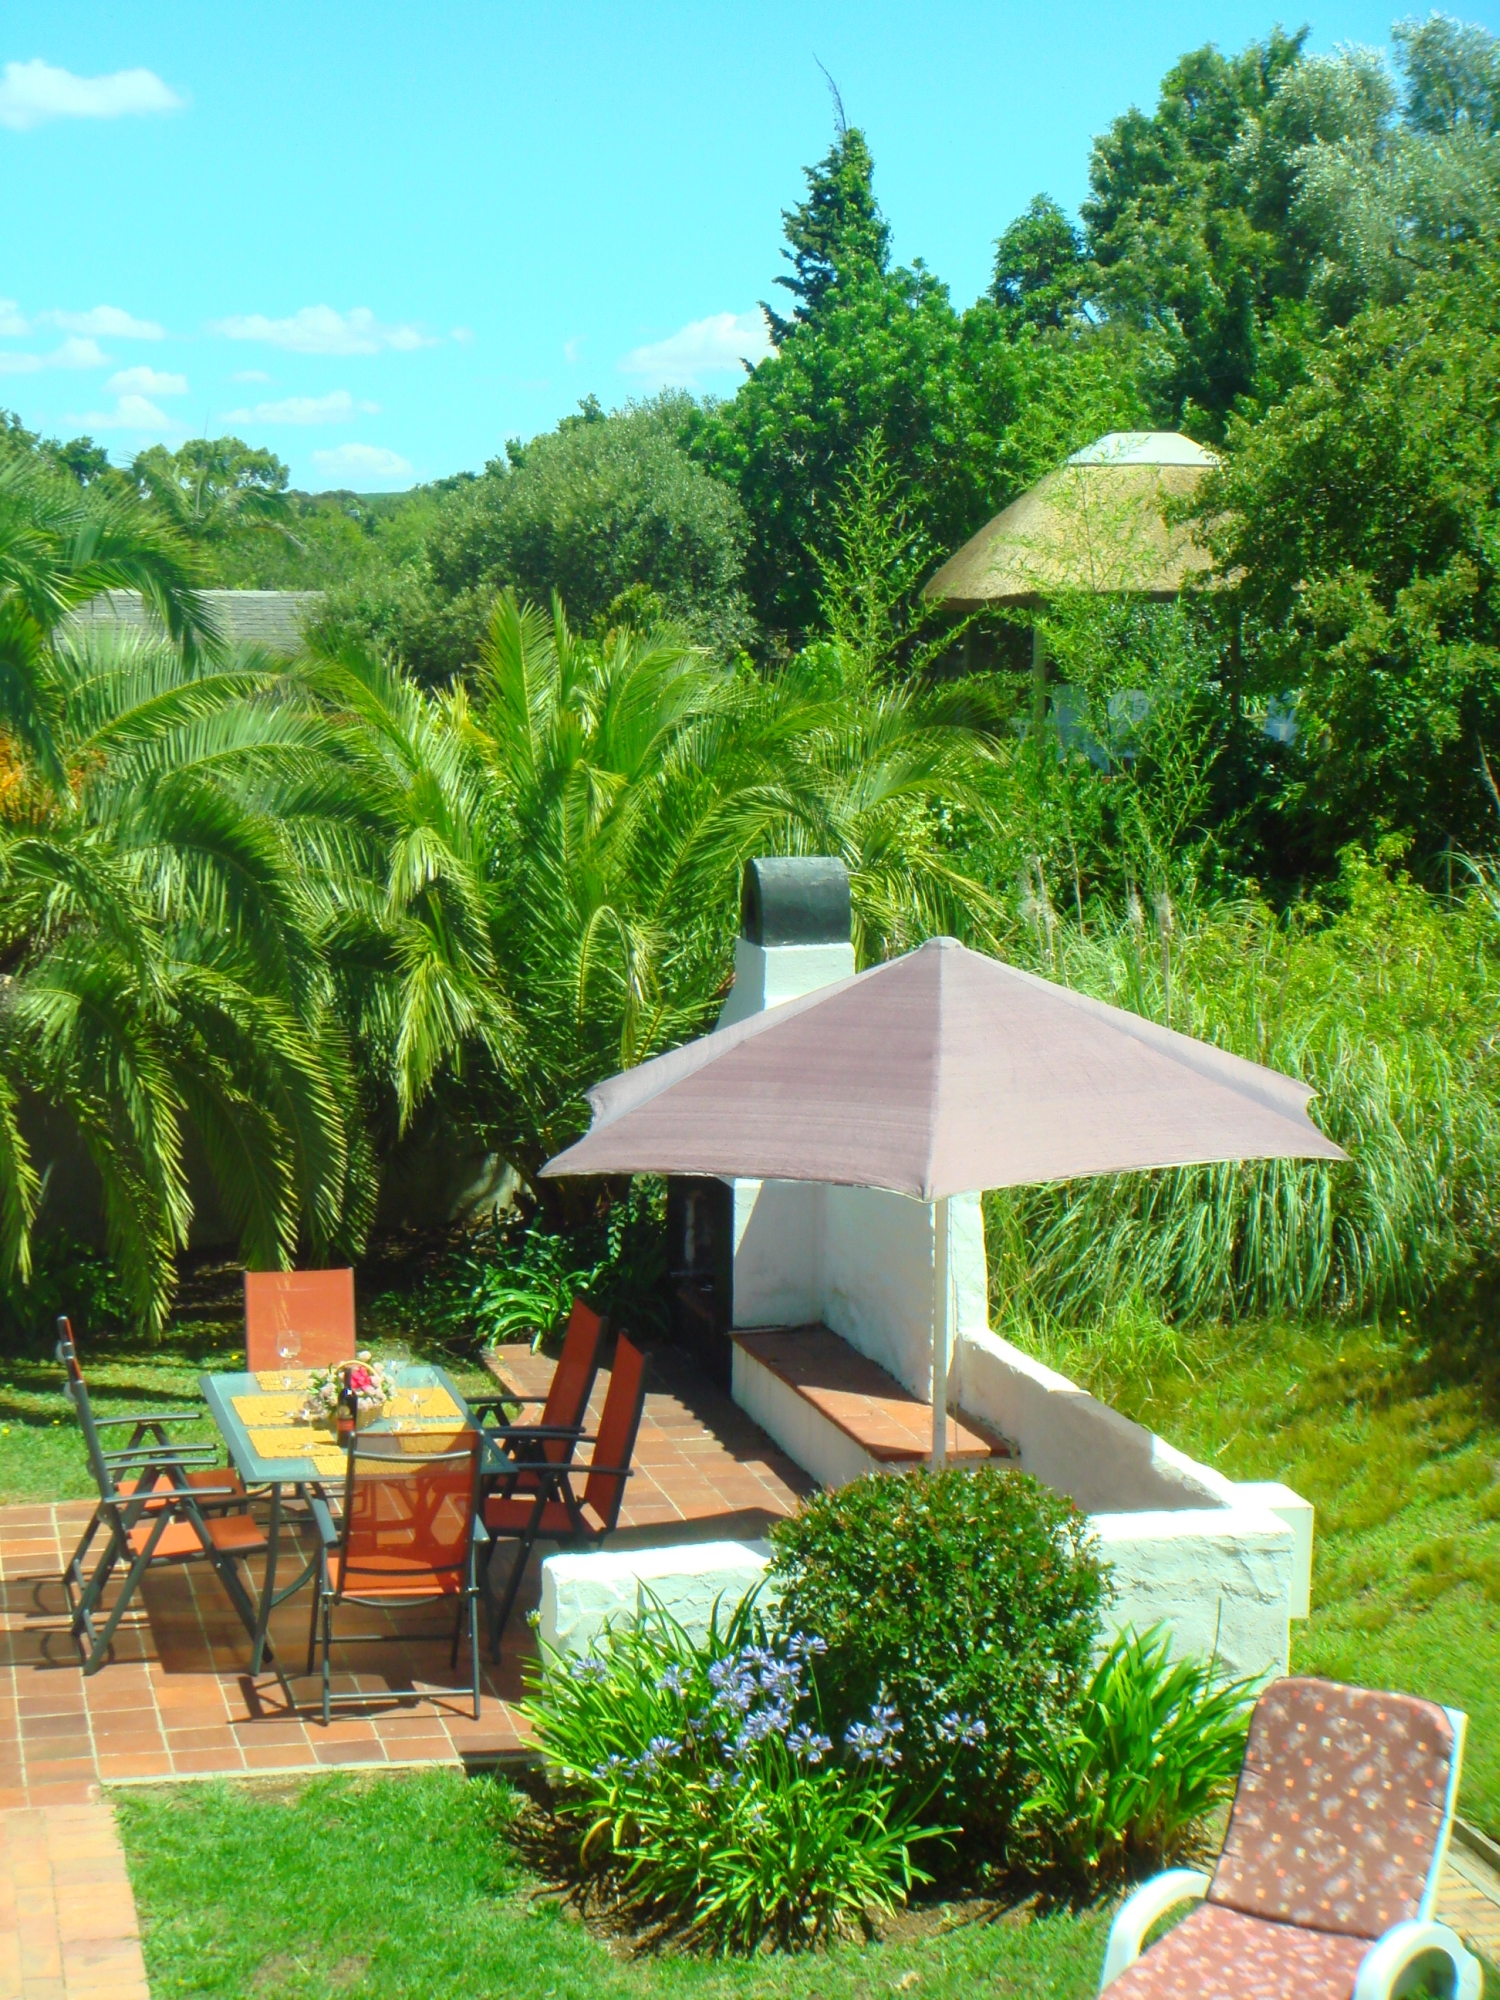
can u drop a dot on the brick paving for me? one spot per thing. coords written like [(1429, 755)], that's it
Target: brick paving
[(176, 1699)]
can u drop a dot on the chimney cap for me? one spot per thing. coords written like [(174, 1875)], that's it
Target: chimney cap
[(795, 899)]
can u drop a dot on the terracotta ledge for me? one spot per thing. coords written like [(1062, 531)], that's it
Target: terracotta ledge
[(862, 1400)]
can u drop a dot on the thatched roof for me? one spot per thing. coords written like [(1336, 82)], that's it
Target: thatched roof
[(1096, 524)]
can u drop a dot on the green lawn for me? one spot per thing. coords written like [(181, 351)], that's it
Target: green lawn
[(1398, 1448), (397, 1887)]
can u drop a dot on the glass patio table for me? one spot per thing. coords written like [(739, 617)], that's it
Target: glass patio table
[(267, 1449)]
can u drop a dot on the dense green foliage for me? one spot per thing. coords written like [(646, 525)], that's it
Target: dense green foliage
[(969, 1600), (1385, 1005), (700, 1782), (1123, 1783)]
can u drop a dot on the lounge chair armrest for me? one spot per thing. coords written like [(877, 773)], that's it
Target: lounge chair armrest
[(1141, 1909), (540, 1431), (494, 1402), (1389, 1957)]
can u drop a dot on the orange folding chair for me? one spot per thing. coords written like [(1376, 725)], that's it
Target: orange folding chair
[(549, 1510), (318, 1306), (564, 1408), (407, 1540)]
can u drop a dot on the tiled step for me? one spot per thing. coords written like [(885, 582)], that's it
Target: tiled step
[(873, 1409)]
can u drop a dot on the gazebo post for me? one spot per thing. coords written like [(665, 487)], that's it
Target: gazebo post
[(942, 1306)]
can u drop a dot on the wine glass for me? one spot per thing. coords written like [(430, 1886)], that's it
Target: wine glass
[(288, 1347), (396, 1356)]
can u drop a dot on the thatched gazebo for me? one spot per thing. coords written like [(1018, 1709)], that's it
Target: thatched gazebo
[(1099, 524)]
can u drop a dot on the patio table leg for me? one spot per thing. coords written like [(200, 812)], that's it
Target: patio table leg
[(268, 1587)]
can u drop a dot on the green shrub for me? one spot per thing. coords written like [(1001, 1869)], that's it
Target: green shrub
[(959, 1597), (702, 1782), (1123, 1782)]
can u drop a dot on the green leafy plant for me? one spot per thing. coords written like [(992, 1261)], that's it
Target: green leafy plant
[(966, 1599), (1123, 1781), (701, 1781)]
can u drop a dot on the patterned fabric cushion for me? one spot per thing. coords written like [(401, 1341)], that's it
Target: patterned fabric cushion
[(1219, 1954), (1340, 1803)]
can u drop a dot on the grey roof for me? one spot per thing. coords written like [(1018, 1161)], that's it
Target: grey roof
[(270, 618)]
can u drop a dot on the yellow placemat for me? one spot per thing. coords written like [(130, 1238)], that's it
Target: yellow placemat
[(280, 1409), (277, 1378), (427, 1406), (299, 1441)]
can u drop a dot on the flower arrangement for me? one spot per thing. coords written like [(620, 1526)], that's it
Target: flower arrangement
[(372, 1382)]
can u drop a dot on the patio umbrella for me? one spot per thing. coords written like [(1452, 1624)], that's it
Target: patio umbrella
[(935, 1074)]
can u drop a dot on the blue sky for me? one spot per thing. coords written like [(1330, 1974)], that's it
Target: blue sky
[(380, 239)]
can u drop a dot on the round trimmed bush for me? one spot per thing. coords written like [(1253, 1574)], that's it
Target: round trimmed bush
[(968, 1600)]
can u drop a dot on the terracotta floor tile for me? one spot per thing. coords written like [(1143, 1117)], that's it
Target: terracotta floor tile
[(281, 1757), (348, 1753)]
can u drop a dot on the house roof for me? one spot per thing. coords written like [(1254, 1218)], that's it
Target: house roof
[(274, 619)]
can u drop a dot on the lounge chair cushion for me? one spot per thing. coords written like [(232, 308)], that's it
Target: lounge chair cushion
[(380, 1574), (1219, 1954), (1339, 1808)]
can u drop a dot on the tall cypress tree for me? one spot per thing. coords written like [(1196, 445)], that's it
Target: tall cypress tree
[(835, 237)]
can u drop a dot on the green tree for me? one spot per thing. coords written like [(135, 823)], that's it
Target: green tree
[(611, 511), (1041, 272), (210, 487), (837, 237), (1358, 521)]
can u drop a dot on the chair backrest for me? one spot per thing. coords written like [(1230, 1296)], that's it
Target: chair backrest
[(77, 1392), (621, 1419), (572, 1379), (319, 1305), (409, 1505), (1344, 1803)]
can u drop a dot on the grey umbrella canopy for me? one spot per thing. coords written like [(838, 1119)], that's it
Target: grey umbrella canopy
[(933, 1075), (938, 1073)]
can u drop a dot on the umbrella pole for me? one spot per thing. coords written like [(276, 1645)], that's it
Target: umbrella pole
[(941, 1346)]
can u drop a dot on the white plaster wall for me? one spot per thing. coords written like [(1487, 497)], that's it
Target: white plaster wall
[(1073, 1442), (765, 975), (583, 1593), (1220, 1579), (778, 1244)]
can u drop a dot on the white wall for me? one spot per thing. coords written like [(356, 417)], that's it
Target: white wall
[(765, 975)]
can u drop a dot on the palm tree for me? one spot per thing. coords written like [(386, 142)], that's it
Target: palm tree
[(545, 882), (60, 545), (165, 977)]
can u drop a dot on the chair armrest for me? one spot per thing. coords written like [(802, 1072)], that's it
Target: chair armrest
[(323, 1520), (1390, 1956), (1141, 1909), (165, 1456), (155, 1417), (494, 1402)]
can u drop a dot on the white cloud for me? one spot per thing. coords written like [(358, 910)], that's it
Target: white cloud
[(464, 335), (110, 321), (364, 465), (321, 330), (71, 354), (250, 375), (10, 318), (335, 408), (704, 347), (147, 382), (131, 413), (33, 92), (573, 348)]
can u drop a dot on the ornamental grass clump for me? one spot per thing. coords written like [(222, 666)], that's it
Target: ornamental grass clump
[(708, 1795), (967, 1599), (1123, 1783)]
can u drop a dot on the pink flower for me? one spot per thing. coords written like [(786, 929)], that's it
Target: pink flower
[(360, 1379)]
